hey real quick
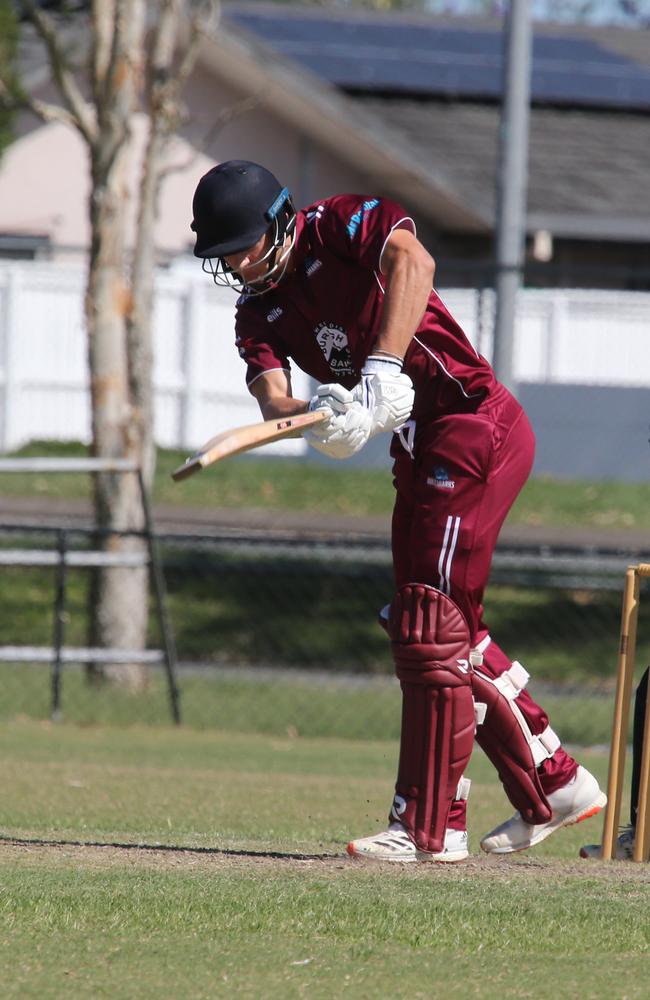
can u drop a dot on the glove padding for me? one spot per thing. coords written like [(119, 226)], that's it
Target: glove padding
[(386, 392), (348, 425)]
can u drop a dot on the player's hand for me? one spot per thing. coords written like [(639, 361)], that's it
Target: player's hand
[(348, 425), (332, 398), (386, 392)]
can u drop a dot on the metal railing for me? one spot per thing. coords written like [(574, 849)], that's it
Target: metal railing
[(62, 557)]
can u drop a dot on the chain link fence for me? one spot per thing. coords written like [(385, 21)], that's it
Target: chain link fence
[(281, 636)]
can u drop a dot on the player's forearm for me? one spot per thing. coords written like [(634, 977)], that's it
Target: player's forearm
[(409, 278), (282, 406), (272, 390)]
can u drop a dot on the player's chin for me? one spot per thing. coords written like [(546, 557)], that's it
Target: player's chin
[(254, 277)]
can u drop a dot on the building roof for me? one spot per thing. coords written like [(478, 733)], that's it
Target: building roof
[(588, 172), (332, 120), (460, 58), (434, 147), (588, 144)]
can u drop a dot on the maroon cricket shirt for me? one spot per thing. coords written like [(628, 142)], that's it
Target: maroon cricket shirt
[(325, 315)]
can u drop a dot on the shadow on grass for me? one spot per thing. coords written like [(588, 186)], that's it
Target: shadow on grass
[(168, 849)]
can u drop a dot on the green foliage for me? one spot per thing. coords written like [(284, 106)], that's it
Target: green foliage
[(8, 47)]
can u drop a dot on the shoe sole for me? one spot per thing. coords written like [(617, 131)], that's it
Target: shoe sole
[(591, 810), (452, 857), (449, 858), (362, 856)]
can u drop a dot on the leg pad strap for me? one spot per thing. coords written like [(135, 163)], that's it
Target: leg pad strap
[(507, 740)]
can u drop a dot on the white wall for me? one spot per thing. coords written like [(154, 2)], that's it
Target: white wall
[(54, 202), (563, 337)]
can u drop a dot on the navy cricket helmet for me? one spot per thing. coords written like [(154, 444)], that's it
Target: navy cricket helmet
[(234, 204)]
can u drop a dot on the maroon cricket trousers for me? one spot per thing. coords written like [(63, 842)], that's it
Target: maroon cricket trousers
[(456, 479)]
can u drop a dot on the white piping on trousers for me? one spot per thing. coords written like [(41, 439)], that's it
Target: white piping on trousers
[(447, 553)]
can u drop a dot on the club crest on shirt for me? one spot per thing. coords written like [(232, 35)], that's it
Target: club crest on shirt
[(440, 479), (333, 342)]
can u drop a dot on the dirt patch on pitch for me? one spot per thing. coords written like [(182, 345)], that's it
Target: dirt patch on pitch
[(27, 851)]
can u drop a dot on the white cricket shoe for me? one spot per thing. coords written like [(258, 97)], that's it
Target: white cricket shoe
[(624, 847), (578, 800), (455, 848), (395, 844)]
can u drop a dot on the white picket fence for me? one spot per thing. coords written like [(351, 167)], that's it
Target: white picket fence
[(562, 336), (199, 376)]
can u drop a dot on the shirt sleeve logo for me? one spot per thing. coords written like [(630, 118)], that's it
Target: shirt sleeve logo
[(357, 218), (333, 342)]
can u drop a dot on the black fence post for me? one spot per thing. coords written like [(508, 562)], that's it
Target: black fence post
[(59, 624), (169, 645)]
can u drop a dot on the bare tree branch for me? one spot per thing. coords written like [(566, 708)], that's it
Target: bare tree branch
[(79, 110), (50, 112), (42, 109), (103, 21), (225, 116), (118, 91), (165, 35), (166, 83), (205, 19)]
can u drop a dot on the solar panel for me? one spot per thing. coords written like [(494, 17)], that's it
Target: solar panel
[(429, 59)]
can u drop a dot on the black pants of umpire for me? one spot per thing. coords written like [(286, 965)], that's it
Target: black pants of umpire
[(640, 700)]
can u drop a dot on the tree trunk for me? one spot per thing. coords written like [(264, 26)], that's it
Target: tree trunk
[(119, 298), (121, 608)]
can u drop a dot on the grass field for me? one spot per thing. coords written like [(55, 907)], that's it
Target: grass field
[(284, 484), (146, 861), (155, 863), (269, 704)]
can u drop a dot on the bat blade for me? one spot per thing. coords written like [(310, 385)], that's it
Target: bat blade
[(240, 439)]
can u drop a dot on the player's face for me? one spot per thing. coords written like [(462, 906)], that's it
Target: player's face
[(250, 264)]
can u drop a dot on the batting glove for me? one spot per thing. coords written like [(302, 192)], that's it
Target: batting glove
[(348, 425), (386, 392)]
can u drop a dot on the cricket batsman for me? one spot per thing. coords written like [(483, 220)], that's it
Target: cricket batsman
[(343, 289)]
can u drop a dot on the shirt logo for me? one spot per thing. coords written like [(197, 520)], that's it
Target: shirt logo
[(440, 479), (333, 342), (311, 266), (315, 213), (275, 313), (357, 218)]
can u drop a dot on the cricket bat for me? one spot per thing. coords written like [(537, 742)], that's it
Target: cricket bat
[(240, 439)]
